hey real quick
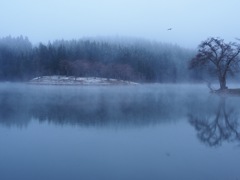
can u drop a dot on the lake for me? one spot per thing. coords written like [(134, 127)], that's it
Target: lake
[(167, 132)]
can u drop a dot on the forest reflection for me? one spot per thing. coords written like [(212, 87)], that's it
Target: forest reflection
[(86, 107), (219, 126), (216, 119)]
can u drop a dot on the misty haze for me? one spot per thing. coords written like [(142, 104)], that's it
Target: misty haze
[(119, 90), (118, 132), (118, 109)]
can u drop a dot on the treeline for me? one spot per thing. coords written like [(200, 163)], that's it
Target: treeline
[(136, 60)]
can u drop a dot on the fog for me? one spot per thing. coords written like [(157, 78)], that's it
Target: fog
[(157, 131), (142, 131), (191, 20), (107, 106), (126, 59), (114, 106)]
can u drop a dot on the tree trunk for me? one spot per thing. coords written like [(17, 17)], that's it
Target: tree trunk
[(222, 81)]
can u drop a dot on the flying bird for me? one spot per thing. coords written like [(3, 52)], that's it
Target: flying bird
[(169, 29), (237, 39)]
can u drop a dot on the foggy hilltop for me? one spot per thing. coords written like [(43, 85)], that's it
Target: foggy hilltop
[(127, 59)]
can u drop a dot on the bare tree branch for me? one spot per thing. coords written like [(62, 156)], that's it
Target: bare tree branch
[(223, 56)]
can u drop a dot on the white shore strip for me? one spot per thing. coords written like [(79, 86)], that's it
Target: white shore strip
[(70, 80)]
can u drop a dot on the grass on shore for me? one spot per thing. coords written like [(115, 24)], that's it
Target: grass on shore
[(228, 91)]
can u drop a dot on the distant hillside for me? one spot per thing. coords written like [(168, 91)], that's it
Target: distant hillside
[(126, 59)]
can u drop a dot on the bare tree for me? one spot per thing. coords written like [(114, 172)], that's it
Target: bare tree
[(80, 68), (65, 67), (220, 57)]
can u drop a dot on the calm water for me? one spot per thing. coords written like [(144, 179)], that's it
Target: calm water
[(152, 132)]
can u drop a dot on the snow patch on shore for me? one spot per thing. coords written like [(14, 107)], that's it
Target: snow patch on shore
[(70, 80)]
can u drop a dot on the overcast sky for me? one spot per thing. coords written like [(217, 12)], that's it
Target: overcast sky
[(191, 20)]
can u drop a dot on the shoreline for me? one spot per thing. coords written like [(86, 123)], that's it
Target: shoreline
[(76, 81), (235, 91)]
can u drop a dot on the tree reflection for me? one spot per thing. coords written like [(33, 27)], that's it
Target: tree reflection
[(222, 126), (100, 107)]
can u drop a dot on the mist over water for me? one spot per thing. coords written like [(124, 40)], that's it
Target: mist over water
[(118, 132), (96, 106)]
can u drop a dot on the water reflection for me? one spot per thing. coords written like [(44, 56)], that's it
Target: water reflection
[(215, 119), (89, 106), (222, 124)]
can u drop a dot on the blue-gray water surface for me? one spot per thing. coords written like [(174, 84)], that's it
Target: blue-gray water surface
[(168, 132)]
